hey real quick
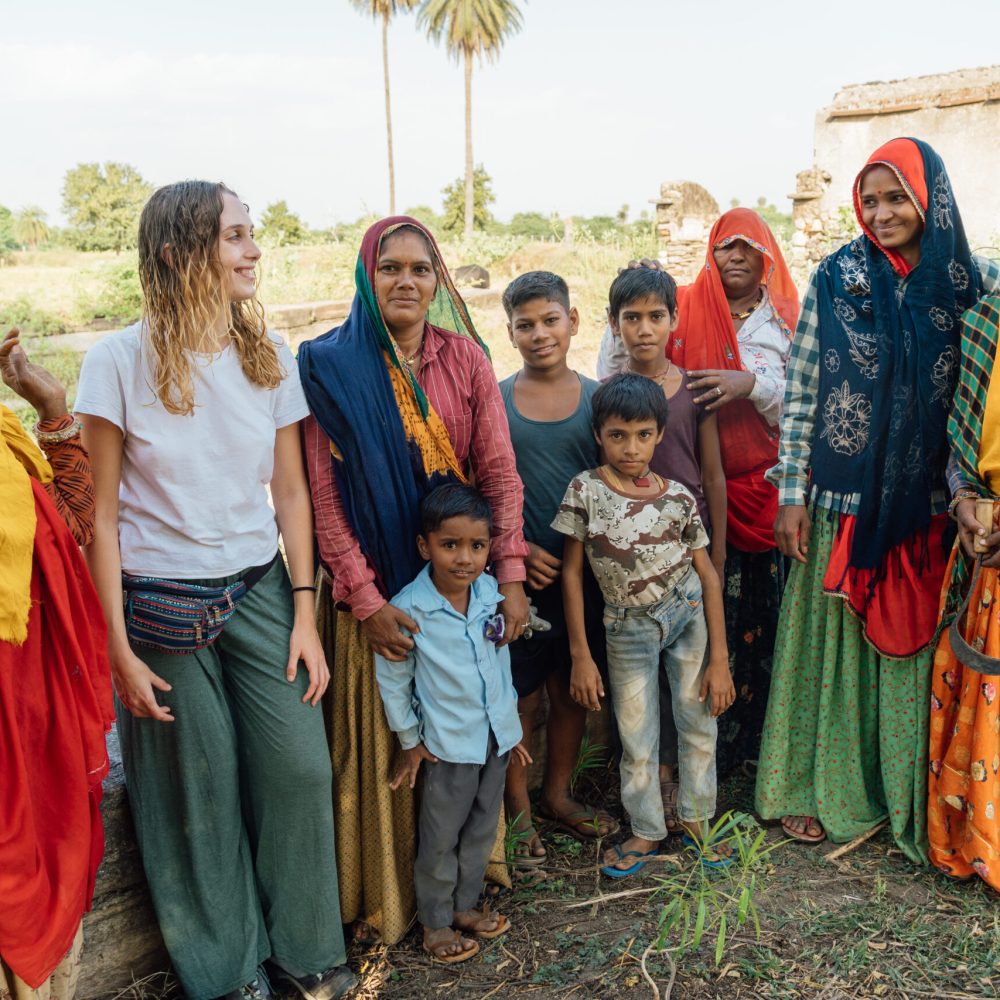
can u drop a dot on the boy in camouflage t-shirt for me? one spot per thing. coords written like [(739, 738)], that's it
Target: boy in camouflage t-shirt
[(647, 547)]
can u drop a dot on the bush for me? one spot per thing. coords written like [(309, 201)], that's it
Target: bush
[(118, 299), (31, 320)]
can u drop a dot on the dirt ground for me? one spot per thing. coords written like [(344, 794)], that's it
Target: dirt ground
[(867, 925)]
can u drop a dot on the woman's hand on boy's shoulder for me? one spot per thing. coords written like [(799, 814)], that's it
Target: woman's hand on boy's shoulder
[(542, 567), (410, 767), (585, 685), (717, 686)]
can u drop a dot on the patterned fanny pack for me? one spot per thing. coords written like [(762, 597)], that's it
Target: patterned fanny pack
[(176, 617)]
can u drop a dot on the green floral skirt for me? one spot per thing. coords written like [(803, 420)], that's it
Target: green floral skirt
[(845, 736)]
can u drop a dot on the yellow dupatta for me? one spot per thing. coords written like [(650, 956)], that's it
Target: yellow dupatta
[(19, 459)]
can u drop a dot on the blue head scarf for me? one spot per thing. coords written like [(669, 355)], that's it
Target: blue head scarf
[(890, 352)]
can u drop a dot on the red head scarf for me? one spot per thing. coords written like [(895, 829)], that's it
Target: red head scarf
[(706, 337), (904, 159)]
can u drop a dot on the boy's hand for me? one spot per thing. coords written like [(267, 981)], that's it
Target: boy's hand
[(585, 685), (522, 755), (542, 567), (717, 686), (411, 765)]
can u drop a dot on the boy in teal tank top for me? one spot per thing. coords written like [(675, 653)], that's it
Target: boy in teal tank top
[(548, 410)]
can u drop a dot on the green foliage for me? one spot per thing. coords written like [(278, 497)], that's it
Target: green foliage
[(470, 27), (30, 227), (453, 217), (590, 757), (513, 838), (23, 313), (780, 222), (383, 8), (119, 299), (703, 902), (103, 204), (536, 226), (426, 215), (8, 241), (281, 227)]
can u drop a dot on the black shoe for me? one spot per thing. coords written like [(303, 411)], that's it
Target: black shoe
[(259, 988), (330, 985)]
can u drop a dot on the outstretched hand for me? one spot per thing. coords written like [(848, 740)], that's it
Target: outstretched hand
[(30, 381)]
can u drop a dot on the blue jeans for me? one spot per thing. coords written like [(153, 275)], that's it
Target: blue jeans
[(671, 634)]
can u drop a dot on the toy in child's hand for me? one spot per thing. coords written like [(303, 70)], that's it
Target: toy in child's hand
[(535, 624), (493, 628)]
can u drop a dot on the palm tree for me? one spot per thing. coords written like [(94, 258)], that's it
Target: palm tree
[(470, 28), (30, 227), (385, 9)]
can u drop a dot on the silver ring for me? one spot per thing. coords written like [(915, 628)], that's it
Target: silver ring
[(718, 390)]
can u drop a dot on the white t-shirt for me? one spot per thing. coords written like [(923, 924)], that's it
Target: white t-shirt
[(193, 497)]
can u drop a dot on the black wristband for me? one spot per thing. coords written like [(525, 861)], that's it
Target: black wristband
[(296, 589)]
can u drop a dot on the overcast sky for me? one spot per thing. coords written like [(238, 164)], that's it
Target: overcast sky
[(590, 107)]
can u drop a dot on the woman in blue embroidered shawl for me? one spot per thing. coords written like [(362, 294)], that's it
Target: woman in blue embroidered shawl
[(870, 383)]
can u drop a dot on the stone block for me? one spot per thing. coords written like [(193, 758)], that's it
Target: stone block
[(122, 941)]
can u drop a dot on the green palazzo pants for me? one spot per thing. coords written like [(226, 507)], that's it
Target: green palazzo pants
[(845, 737), (232, 804)]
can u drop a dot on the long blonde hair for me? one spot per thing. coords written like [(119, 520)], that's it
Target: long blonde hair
[(184, 290)]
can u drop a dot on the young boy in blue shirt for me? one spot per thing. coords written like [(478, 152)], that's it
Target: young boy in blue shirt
[(452, 704), (548, 412)]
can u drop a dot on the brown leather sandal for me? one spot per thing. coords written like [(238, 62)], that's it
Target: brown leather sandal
[(434, 950)]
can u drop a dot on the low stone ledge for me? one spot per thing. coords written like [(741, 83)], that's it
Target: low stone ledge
[(122, 941)]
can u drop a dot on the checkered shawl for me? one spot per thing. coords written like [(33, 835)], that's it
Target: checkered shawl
[(980, 335)]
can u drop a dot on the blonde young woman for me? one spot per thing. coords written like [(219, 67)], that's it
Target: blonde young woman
[(188, 416)]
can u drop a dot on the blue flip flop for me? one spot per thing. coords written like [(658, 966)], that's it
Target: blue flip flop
[(612, 872), (688, 841)]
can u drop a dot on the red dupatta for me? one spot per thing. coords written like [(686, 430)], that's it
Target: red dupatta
[(55, 708), (706, 338)]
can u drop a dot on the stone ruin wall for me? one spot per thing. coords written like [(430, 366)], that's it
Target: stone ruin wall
[(957, 113), (685, 214)]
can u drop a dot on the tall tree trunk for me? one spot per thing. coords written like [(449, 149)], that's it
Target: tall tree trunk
[(388, 113), (468, 145)]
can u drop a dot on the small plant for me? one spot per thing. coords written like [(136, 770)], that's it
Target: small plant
[(513, 838), (591, 757), (705, 902)]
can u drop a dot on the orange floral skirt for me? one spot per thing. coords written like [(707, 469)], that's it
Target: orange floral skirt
[(963, 802)]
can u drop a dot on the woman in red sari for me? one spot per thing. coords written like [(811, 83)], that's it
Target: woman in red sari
[(55, 691), (733, 338)]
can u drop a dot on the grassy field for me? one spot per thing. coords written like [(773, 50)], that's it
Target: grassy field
[(55, 292)]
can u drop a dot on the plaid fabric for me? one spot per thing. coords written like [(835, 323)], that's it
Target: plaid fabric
[(791, 474), (980, 332)]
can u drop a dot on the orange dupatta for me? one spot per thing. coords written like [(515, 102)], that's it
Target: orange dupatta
[(706, 338)]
